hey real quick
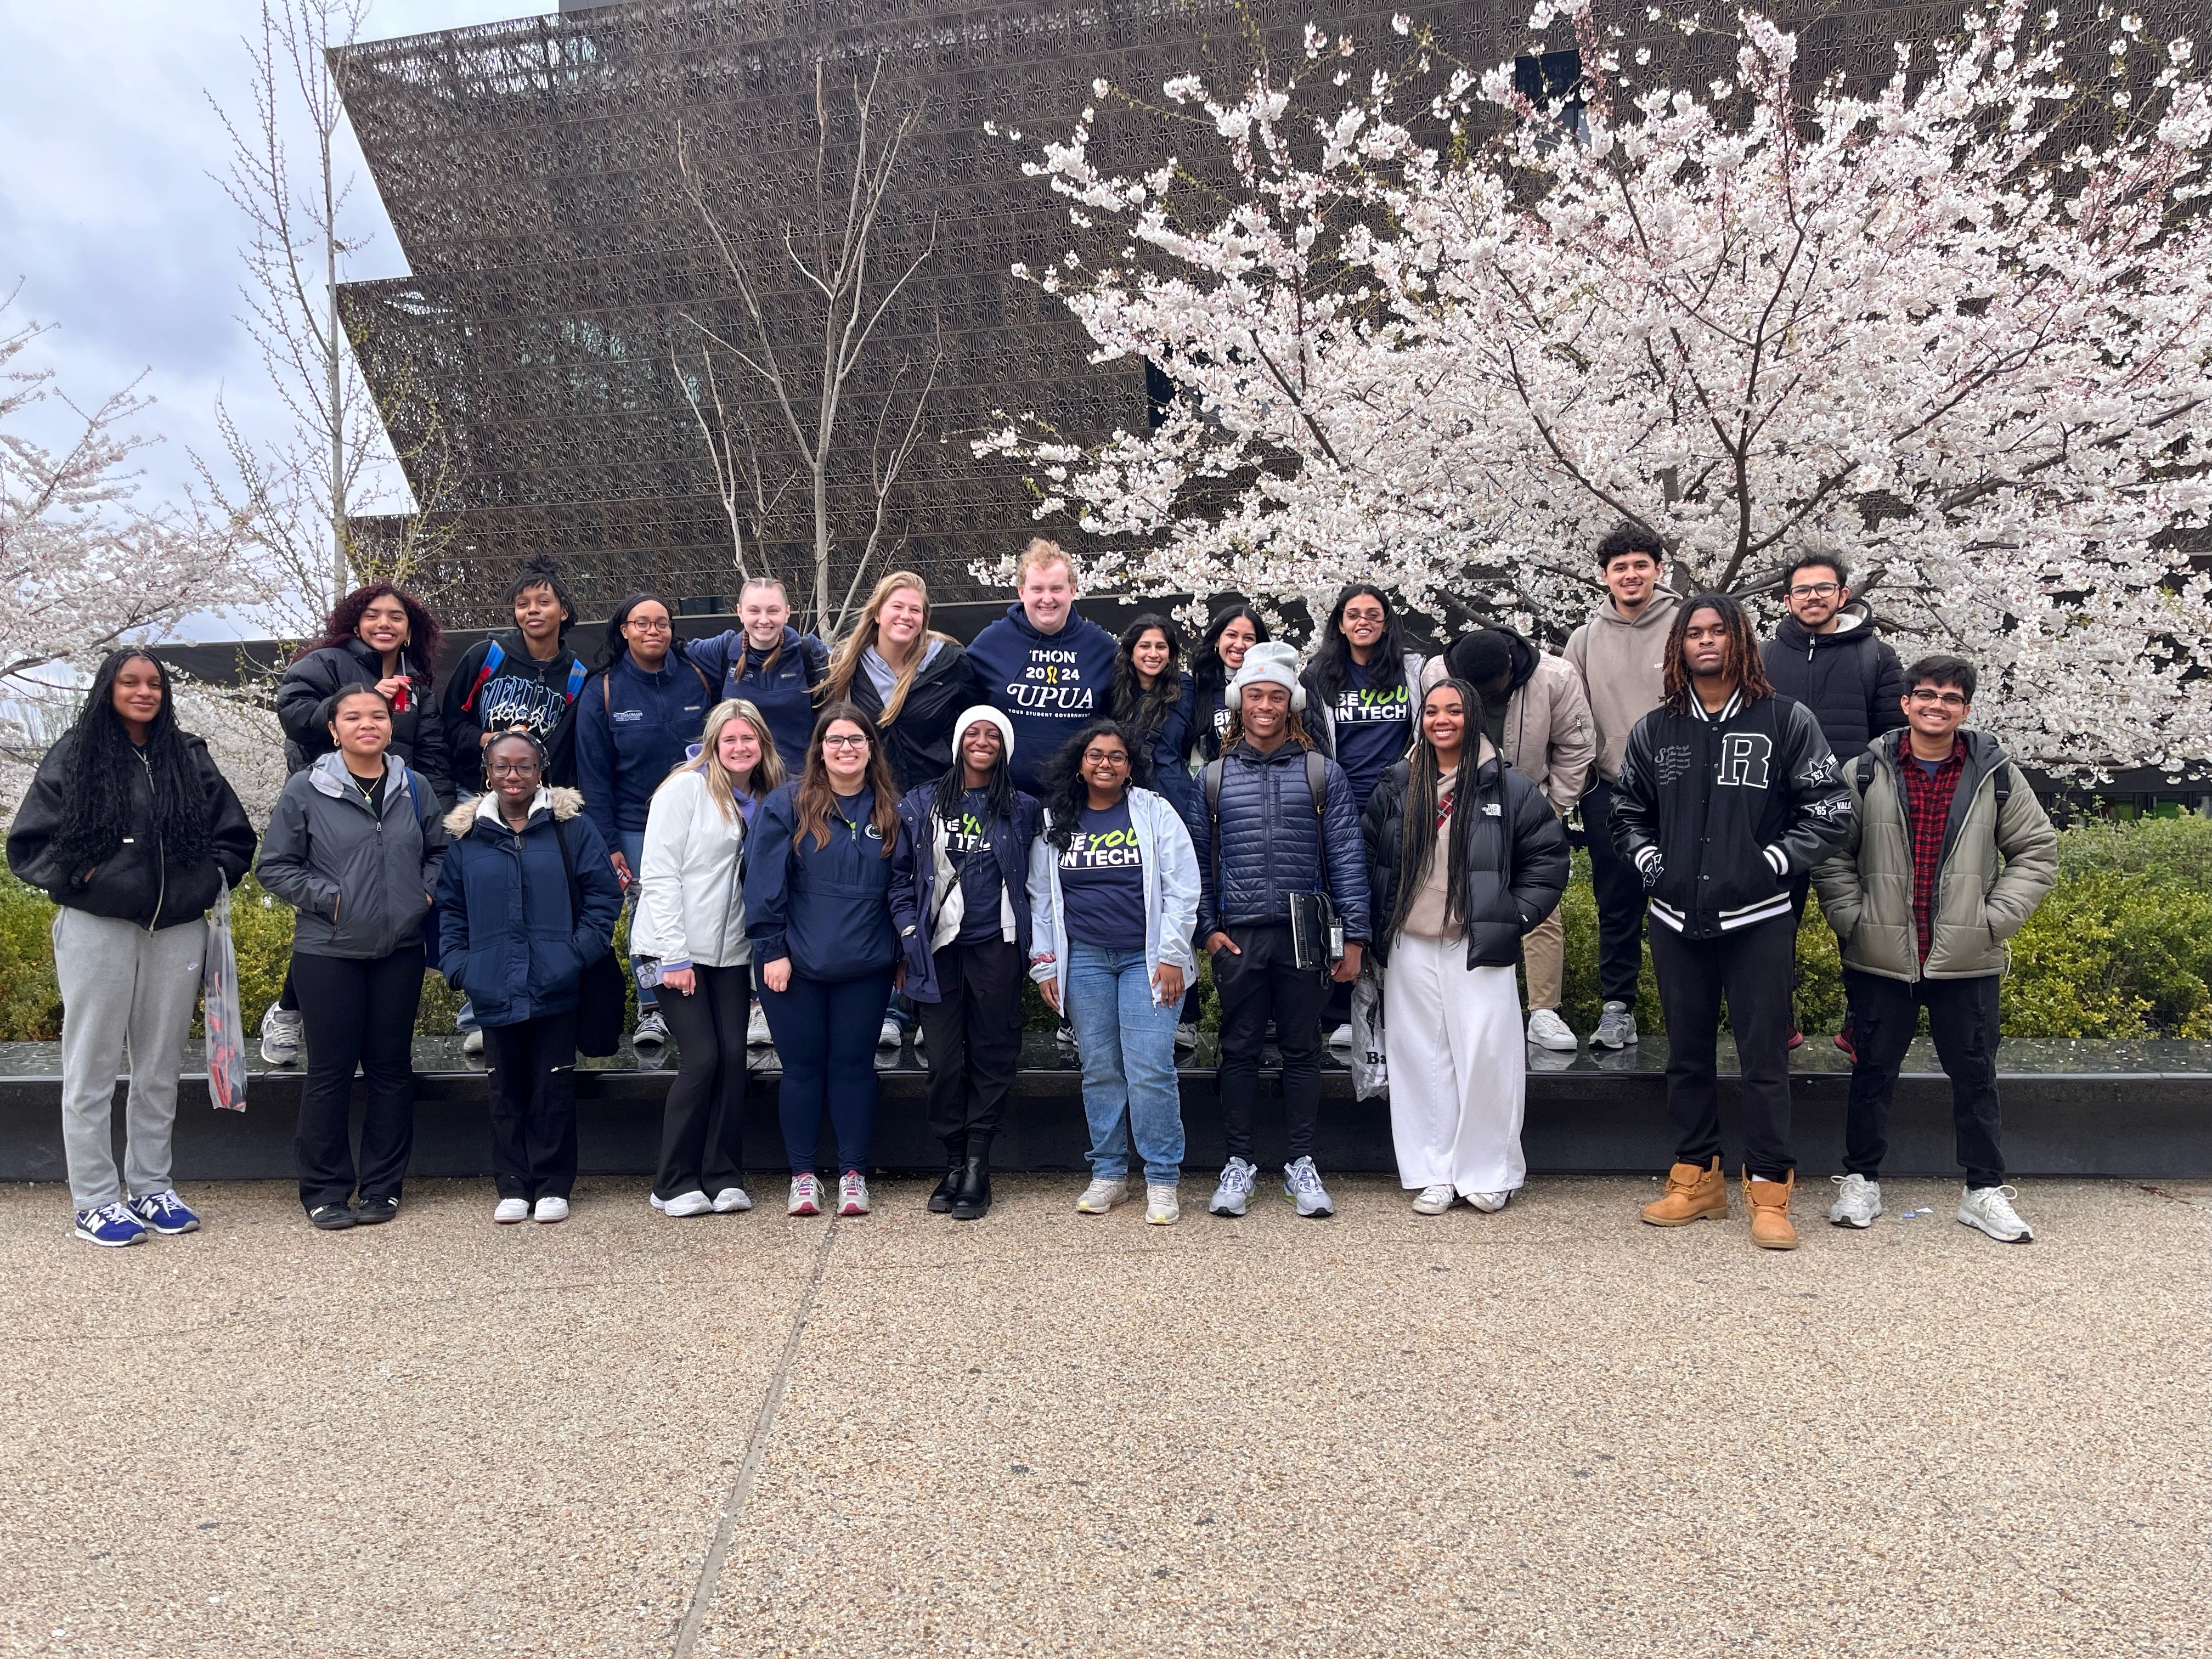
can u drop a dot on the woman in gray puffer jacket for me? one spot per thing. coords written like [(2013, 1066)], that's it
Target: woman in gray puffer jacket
[(354, 847)]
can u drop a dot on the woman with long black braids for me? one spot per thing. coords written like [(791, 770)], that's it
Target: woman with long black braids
[(132, 831)]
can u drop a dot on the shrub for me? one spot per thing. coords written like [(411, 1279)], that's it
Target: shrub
[(2113, 953), (2173, 852)]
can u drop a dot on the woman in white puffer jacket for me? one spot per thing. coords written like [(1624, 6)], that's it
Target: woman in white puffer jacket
[(689, 931)]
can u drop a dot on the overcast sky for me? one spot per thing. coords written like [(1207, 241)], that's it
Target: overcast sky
[(110, 220)]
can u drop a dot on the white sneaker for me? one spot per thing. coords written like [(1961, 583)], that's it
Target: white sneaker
[(1547, 1030), (1064, 1038), (1988, 1209), (282, 1034), (805, 1194), (1858, 1201), (1186, 1038), (853, 1194), (1101, 1196), (1302, 1186), (1163, 1207), (551, 1210), (1234, 1196), (1433, 1200), (509, 1210), (1489, 1203), (888, 1037), (1341, 1036), (757, 1035), (732, 1201), (652, 1031), (472, 1042), (694, 1202), (1616, 1027)]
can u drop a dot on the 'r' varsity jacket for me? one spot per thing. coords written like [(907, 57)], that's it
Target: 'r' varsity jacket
[(1717, 811)]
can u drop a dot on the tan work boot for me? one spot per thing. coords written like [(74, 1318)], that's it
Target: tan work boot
[(1769, 1211), (1692, 1194)]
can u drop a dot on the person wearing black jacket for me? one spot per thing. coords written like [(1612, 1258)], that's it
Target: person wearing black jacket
[(817, 876), (908, 680), (1726, 791), (1831, 660), (525, 679), (1464, 859), (1274, 820), (131, 830)]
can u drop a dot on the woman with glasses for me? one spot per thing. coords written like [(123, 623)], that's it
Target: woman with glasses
[(516, 929), (635, 723), (1114, 883), (819, 918)]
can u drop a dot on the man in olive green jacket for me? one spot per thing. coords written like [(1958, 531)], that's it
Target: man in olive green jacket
[(1949, 855)]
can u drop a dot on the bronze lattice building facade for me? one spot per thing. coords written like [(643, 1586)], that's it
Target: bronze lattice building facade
[(541, 349)]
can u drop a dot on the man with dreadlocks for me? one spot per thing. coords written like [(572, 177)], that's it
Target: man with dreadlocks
[(1726, 791)]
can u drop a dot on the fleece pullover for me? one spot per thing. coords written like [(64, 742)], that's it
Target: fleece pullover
[(1048, 685), (1623, 667)]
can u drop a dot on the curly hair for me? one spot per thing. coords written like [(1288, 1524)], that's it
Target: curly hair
[(1627, 536), (1741, 662), (1063, 790), (419, 654), (96, 806)]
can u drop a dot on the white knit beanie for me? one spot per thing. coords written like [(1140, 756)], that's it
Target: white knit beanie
[(1271, 663), (984, 711)]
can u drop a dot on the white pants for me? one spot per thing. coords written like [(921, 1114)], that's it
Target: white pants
[(1458, 1075)]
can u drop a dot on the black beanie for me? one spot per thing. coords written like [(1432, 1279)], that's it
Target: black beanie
[(1481, 658)]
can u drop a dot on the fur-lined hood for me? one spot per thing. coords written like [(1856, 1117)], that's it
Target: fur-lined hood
[(566, 803)]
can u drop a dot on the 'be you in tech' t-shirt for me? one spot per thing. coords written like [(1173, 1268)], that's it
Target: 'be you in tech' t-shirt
[(1102, 881)]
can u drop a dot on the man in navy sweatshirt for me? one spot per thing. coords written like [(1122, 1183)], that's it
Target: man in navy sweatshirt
[(1045, 668)]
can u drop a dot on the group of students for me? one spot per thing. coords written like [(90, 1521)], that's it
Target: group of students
[(901, 829)]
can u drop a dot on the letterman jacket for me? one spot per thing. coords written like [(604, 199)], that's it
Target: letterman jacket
[(1717, 811)]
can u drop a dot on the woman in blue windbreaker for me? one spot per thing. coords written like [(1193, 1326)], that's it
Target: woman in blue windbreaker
[(635, 723), (527, 900), (818, 911), (768, 663)]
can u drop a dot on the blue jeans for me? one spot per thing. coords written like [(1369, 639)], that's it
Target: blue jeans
[(826, 1036), (632, 848), (1127, 1042)]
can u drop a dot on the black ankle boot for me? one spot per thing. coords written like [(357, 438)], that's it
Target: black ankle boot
[(972, 1198), (940, 1196)]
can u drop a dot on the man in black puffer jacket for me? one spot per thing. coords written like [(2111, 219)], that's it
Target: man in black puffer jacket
[(1261, 836), (1726, 791)]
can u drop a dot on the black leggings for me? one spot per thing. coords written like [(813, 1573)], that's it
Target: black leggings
[(826, 1036), (702, 1124), (357, 1012), (533, 1106)]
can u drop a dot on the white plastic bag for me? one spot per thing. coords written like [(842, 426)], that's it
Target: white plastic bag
[(226, 1026), (1370, 1065)]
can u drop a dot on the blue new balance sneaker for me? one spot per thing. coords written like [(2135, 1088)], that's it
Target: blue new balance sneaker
[(110, 1225), (164, 1212)]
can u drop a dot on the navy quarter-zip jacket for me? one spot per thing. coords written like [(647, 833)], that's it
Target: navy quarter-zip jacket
[(827, 909)]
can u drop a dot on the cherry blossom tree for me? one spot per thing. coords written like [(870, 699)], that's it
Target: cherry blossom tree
[(1958, 324)]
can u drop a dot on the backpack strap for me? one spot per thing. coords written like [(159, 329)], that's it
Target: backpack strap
[(577, 675), (493, 657), (1317, 793), (1864, 767)]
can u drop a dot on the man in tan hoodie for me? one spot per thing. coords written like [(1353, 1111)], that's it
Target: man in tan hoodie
[(1621, 654)]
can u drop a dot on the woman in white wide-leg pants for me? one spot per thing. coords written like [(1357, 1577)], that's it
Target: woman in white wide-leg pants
[(1465, 856)]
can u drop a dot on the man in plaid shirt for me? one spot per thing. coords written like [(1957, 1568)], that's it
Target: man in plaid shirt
[(1949, 855)]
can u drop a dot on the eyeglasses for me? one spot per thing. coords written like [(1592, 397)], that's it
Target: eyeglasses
[(639, 625), (1816, 591), (854, 742), (1104, 757), (509, 768), (1949, 699)]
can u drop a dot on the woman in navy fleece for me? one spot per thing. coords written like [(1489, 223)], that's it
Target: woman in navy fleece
[(817, 910), (636, 722)]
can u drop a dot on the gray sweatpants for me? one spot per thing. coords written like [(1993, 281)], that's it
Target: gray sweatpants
[(120, 983)]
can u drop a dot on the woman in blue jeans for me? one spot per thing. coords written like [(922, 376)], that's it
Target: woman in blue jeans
[(818, 878), (1113, 891)]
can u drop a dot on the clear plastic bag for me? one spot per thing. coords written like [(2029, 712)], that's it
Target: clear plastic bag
[(1370, 1064), (226, 1027)]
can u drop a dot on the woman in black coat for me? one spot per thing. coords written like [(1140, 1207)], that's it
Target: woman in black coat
[(911, 682), (1464, 857), (379, 636)]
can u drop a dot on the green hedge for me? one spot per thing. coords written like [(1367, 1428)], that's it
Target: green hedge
[(2121, 949)]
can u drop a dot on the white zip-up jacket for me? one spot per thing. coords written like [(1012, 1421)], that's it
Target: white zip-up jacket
[(690, 906), (1170, 893)]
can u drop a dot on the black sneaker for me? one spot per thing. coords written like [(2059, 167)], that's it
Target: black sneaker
[(374, 1212), (332, 1218)]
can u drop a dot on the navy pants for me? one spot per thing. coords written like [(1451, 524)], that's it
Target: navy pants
[(826, 1036)]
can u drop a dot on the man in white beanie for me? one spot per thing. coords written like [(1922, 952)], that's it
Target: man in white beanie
[(1274, 819)]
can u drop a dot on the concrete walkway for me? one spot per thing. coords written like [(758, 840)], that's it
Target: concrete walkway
[(1550, 1431)]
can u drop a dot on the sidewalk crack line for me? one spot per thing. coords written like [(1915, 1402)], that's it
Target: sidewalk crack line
[(733, 1505)]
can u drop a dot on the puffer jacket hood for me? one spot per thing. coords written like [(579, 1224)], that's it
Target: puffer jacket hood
[(511, 936), (1997, 863), (359, 883), (1516, 860), (1850, 679), (1271, 844)]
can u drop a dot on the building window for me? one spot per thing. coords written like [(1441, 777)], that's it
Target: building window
[(1552, 81)]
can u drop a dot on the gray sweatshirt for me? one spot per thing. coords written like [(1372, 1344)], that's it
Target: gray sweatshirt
[(1623, 665)]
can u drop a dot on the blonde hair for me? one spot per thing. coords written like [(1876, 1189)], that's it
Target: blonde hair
[(836, 686), (1043, 555), (767, 771)]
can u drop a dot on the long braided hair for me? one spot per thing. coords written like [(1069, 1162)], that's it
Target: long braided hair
[(1416, 831), (1741, 662), (96, 796), (997, 794)]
